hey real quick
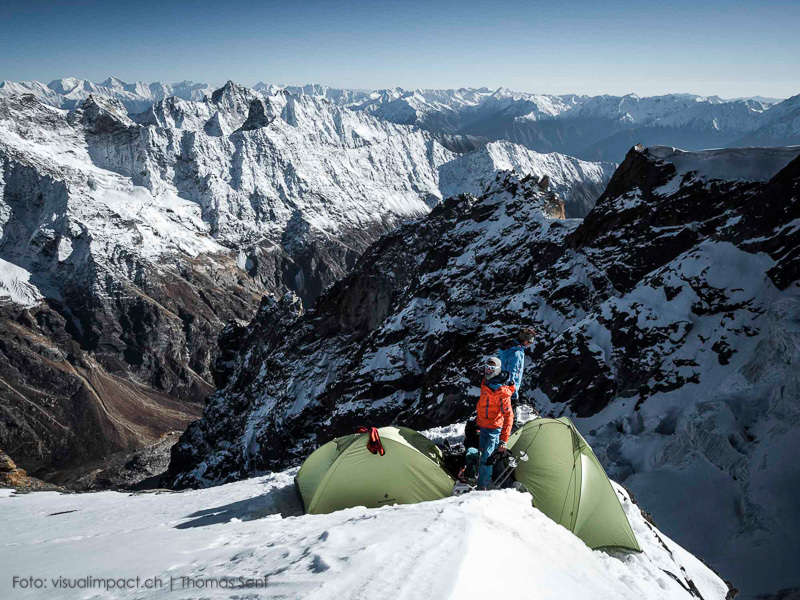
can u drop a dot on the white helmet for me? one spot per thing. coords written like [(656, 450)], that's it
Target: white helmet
[(491, 367)]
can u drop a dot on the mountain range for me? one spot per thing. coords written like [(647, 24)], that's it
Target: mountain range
[(129, 240), (588, 127)]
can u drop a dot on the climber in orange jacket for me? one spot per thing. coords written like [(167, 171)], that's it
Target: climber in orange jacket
[(495, 416)]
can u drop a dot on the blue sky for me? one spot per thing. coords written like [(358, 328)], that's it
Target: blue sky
[(726, 48)]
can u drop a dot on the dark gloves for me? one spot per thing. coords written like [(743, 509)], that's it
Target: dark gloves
[(498, 455)]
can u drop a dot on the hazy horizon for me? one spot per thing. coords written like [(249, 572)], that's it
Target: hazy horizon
[(218, 84), (722, 48)]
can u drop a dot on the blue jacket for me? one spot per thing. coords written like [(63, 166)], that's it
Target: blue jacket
[(512, 359)]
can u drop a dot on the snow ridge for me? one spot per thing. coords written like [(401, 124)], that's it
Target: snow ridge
[(255, 528)]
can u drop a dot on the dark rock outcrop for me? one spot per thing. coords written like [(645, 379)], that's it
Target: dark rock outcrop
[(257, 116), (12, 476), (140, 469)]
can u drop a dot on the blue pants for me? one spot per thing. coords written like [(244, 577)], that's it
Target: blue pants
[(489, 440)]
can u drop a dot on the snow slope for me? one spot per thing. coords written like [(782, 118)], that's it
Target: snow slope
[(255, 528), (474, 171), (15, 285)]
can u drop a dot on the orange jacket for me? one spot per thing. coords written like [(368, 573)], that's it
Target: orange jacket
[(494, 409)]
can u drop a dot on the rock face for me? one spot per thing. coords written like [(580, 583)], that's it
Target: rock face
[(140, 469), (668, 325), (110, 333), (62, 406), (360, 360), (128, 242)]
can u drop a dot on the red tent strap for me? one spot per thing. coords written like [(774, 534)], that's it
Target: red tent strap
[(374, 444)]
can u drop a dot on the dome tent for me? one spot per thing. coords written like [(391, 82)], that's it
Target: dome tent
[(343, 473), (569, 485)]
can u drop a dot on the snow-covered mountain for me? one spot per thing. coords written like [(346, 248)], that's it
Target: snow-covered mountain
[(668, 332), (580, 182), (342, 97), (128, 238), (128, 241), (135, 97), (588, 127), (255, 530), (783, 125)]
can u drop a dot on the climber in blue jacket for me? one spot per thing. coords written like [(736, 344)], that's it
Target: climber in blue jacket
[(512, 357)]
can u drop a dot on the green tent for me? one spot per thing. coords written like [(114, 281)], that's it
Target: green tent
[(343, 473), (569, 485)]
